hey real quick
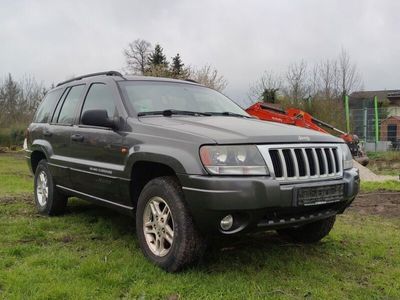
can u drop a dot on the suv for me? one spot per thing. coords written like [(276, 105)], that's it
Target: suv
[(186, 161)]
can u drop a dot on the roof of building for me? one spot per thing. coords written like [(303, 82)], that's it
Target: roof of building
[(397, 118), (382, 94)]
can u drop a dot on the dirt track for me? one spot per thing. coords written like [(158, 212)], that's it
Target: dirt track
[(386, 204)]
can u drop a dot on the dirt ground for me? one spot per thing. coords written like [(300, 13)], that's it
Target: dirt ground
[(385, 204)]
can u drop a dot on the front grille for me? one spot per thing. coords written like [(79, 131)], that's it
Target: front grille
[(303, 162)]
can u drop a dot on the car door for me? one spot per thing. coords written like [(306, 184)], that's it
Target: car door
[(97, 152), (58, 134)]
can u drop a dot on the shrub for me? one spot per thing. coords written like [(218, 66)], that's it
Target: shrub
[(12, 137)]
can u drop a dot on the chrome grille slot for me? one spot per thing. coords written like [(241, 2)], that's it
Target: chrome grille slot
[(296, 162)]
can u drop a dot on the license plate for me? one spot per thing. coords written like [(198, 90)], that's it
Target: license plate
[(320, 194)]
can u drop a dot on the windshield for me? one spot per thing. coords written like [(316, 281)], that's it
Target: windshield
[(151, 96)]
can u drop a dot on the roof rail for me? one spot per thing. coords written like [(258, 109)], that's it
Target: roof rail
[(107, 73), (191, 80)]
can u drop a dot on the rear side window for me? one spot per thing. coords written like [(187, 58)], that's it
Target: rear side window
[(100, 97), (68, 109), (47, 106), (58, 106)]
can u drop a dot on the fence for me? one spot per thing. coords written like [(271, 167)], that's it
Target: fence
[(377, 127)]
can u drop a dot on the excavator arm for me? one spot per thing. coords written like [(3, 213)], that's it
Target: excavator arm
[(297, 117)]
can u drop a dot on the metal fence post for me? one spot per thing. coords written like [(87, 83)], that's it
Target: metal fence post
[(347, 110), (376, 122), (365, 125)]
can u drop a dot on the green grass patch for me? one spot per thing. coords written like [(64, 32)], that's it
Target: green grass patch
[(373, 186), (387, 155), (14, 175), (385, 163), (93, 253)]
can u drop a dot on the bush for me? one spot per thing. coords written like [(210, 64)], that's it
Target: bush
[(12, 137)]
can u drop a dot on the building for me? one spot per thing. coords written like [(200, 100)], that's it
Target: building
[(390, 130), (390, 99)]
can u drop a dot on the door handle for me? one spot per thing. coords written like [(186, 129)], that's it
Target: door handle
[(47, 132), (77, 137)]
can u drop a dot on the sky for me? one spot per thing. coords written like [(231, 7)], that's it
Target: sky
[(53, 40)]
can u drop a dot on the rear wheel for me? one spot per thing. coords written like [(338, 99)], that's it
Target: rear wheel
[(49, 201), (310, 233), (165, 229)]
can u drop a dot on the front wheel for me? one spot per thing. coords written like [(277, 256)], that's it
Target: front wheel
[(49, 201), (165, 229), (310, 233)]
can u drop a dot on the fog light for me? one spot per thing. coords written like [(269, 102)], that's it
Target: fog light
[(227, 222)]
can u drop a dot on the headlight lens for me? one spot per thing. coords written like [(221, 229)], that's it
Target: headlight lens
[(347, 157), (233, 160)]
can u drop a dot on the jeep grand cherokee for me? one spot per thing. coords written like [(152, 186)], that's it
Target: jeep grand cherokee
[(186, 161)]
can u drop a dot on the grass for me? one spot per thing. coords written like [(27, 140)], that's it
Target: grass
[(14, 175), (373, 186), (387, 155), (385, 163), (93, 253)]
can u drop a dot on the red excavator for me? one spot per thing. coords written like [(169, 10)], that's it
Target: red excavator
[(297, 117)]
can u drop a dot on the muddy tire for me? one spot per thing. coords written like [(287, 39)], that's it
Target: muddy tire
[(309, 233), (49, 201), (166, 232)]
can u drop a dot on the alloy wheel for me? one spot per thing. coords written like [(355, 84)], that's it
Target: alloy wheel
[(42, 188), (158, 226)]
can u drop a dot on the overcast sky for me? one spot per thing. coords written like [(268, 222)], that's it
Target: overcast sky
[(53, 40)]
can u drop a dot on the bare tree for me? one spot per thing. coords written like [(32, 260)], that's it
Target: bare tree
[(328, 74), (350, 79), (31, 95), (314, 82), (328, 80), (209, 77), (296, 77), (19, 99), (266, 87), (136, 56)]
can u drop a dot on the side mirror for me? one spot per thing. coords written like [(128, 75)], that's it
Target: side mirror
[(98, 117)]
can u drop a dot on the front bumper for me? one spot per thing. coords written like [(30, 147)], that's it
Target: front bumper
[(258, 202)]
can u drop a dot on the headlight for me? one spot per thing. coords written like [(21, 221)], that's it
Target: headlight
[(347, 157), (233, 160)]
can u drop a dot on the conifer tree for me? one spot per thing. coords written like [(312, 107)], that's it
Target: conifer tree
[(177, 66), (157, 57)]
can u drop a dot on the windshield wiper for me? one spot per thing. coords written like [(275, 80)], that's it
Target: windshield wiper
[(229, 114), (170, 112)]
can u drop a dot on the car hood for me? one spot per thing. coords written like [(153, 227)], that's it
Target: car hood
[(236, 130)]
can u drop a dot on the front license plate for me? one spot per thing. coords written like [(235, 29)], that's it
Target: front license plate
[(319, 194)]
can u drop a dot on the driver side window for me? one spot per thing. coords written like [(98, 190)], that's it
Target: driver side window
[(100, 97)]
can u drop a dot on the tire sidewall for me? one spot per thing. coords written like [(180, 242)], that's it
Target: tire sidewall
[(43, 167)]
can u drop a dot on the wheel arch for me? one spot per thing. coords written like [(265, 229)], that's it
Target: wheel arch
[(36, 157), (143, 171), (40, 149)]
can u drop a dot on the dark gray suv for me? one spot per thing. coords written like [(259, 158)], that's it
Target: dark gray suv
[(186, 161)]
